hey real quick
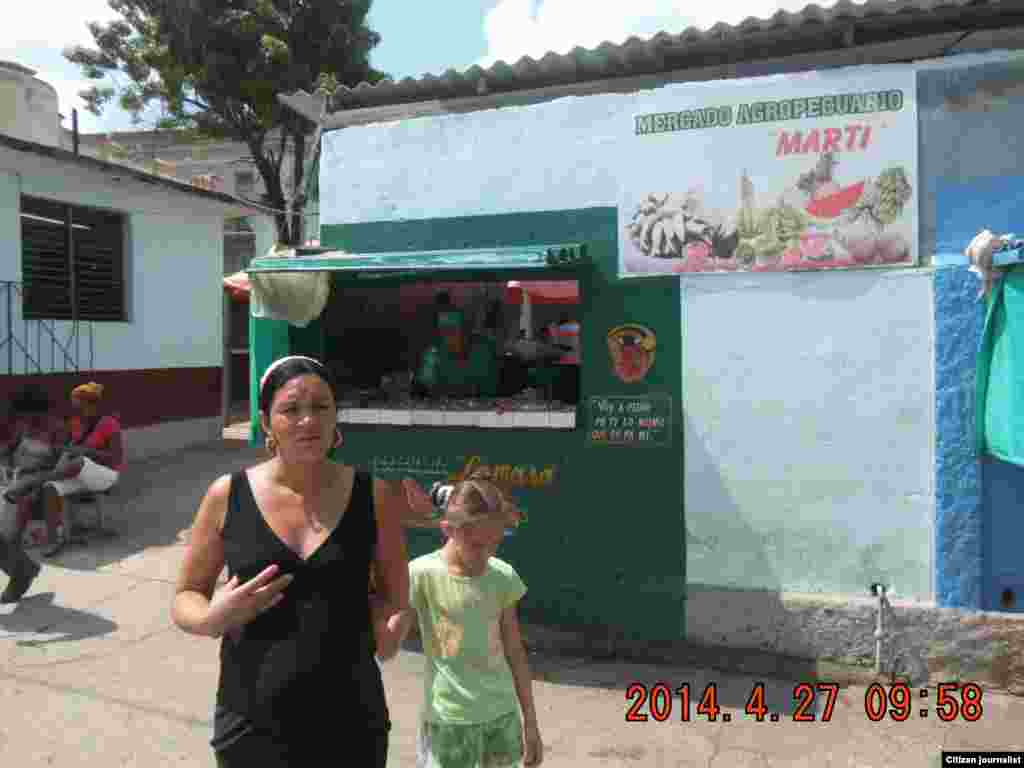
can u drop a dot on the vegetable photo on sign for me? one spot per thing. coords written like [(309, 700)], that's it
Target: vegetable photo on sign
[(816, 222), (631, 348), (771, 174)]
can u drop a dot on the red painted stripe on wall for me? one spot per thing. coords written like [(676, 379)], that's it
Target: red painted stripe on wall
[(139, 398)]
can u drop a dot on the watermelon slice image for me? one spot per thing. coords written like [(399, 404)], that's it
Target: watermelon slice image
[(833, 205)]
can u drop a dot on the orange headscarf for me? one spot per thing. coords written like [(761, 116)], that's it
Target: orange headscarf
[(91, 392)]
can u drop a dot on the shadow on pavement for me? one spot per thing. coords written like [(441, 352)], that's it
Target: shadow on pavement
[(785, 692), (38, 615), (157, 502), (703, 687)]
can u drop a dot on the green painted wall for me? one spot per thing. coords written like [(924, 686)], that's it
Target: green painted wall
[(268, 340), (604, 544)]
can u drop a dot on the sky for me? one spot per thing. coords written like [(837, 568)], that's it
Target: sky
[(459, 34)]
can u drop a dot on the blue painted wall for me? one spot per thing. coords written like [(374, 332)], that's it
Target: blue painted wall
[(973, 170), (1002, 534), (958, 528)]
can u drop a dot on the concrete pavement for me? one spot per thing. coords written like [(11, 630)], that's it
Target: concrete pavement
[(94, 674)]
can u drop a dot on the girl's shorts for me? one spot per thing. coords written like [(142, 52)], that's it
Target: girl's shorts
[(495, 744)]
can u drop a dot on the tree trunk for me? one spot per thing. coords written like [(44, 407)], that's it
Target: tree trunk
[(275, 199), (298, 197)]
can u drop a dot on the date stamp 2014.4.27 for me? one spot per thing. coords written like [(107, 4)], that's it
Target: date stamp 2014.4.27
[(811, 703)]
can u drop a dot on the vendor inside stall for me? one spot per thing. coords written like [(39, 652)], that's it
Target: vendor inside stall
[(457, 362), (412, 345)]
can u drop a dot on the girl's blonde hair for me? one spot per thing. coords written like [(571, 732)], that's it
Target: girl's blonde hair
[(477, 496)]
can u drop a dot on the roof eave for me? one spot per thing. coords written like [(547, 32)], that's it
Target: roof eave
[(882, 53), (232, 206), (740, 51)]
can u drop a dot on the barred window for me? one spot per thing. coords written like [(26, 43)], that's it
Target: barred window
[(64, 267)]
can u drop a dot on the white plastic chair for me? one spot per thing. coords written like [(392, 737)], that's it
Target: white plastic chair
[(97, 499)]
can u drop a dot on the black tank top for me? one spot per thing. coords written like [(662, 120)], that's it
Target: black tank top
[(307, 663)]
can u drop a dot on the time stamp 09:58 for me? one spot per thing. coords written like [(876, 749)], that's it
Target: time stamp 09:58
[(899, 702)]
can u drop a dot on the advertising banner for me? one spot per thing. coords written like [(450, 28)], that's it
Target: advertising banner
[(796, 172)]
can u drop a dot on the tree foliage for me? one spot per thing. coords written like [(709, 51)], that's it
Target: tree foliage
[(216, 68)]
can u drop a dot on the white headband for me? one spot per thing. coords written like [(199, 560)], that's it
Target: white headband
[(276, 363)]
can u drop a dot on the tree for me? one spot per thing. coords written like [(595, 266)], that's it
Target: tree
[(216, 68)]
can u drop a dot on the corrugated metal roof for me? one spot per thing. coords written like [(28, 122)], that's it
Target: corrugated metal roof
[(844, 24)]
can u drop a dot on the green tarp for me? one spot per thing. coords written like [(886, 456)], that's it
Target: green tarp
[(1000, 385)]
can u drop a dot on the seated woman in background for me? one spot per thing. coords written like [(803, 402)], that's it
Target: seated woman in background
[(33, 453), (91, 462)]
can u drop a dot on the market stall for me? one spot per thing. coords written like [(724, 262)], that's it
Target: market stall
[(450, 360), (444, 340)]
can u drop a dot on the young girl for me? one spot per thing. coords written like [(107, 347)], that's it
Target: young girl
[(478, 678)]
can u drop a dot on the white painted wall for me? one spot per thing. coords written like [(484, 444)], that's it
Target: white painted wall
[(544, 157), (809, 422), (808, 398), (174, 262), (10, 253)]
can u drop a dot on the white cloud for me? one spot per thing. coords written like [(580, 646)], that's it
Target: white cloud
[(67, 80), (50, 23), (67, 99), (517, 28), (34, 34)]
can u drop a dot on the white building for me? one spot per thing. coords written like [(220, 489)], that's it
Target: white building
[(111, 274)]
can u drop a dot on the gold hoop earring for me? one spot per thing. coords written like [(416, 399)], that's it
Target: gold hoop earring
[(271, 444)]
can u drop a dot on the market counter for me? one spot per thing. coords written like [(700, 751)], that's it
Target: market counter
[(600, 542), (478, 418)]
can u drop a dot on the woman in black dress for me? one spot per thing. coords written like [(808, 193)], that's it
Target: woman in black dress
[(299, 534)]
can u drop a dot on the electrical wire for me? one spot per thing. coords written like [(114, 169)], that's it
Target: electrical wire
[(252, 204), (237, 198)]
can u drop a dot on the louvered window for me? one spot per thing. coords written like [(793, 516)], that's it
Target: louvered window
[(64, 267)]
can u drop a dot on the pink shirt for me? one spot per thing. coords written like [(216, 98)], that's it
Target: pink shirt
[(99, 438)]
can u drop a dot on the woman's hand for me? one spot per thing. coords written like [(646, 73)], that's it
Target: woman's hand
[(235, 605), (386, 639), (69, 465), (418, 499), (533, 747)]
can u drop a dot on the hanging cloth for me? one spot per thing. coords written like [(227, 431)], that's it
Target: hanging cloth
[(1000, 378), (297, 297)]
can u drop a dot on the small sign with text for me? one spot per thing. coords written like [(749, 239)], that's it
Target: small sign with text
[(630, 420)]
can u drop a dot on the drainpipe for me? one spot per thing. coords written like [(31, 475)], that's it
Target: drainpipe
[(878, 590)]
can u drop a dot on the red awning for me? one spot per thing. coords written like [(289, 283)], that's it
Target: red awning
[(237, 285), (541, 291), (544, 292)]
